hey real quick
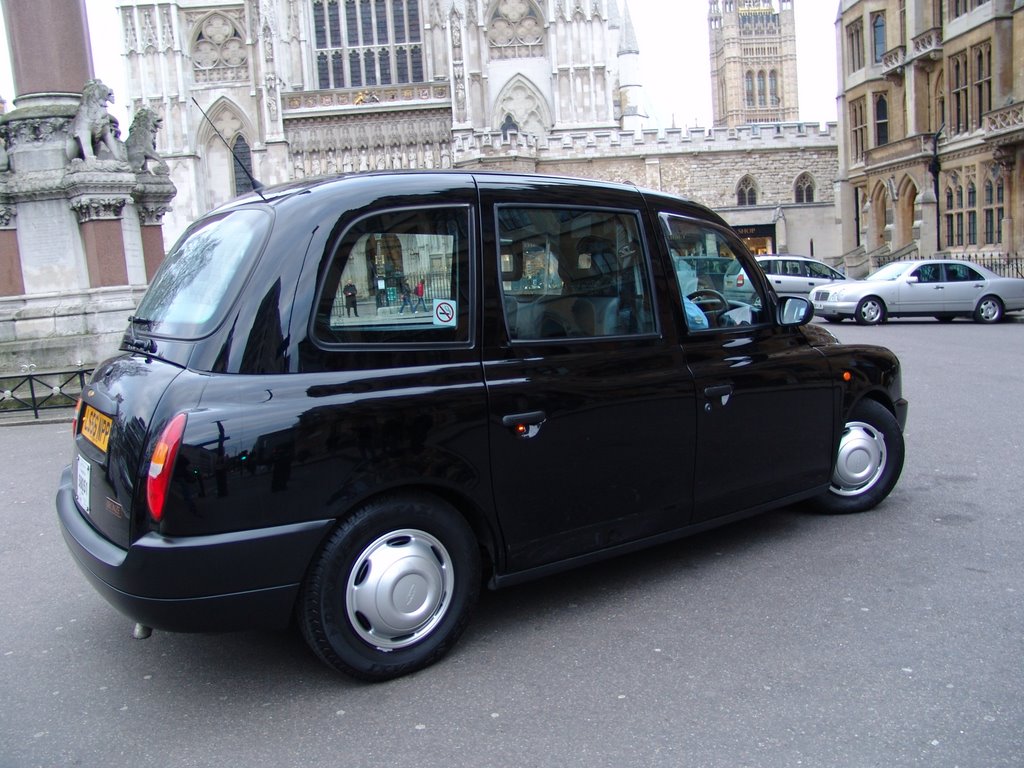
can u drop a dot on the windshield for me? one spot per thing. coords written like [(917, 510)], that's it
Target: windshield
[(889, 271), (201, 276)]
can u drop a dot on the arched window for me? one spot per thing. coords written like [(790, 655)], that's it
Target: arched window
[(516, 30), (773, 88), (746, 192), (804, 189), (367, 42), (881, 121), (748, 82), (762, 94), (243, 157), (878, 37), (219, 53)]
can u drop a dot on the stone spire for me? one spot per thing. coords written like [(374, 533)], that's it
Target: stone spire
[(627, 42)]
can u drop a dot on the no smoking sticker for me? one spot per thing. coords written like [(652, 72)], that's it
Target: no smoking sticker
[(445, 313)]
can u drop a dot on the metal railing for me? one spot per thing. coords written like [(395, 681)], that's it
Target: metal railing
[(33, 392)]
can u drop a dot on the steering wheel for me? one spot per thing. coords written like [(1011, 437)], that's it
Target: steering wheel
[(710, 301)]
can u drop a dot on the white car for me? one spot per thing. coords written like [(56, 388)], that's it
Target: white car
[(789, 275), (940, 288)]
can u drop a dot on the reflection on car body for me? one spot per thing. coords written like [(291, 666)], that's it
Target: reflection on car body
[(287, 433)]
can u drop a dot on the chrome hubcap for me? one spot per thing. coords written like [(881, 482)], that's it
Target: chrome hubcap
[(399, 589), (861, 459), (989, 310), (871, 312)]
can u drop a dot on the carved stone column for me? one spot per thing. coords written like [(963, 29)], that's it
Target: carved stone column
[(98, 193), (12, 283), (152, 195)]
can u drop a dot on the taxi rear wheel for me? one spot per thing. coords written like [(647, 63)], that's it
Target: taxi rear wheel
[(392, 588)]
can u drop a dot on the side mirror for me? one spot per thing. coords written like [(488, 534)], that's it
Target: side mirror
[(795, 310), (913, 279)]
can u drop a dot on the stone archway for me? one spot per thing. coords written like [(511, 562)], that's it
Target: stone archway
[(227, 123), (879, 218), (907, 224), (523, 102)]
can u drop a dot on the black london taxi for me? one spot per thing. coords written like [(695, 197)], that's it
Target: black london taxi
[(352, 402)]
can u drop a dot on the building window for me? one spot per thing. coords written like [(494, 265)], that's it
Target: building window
[(959, 93), (858, 129), (878, 38), (762, 90), (972, 214), (773, 88), (960, 7), (748, 83), (367, 42), (804, 189), (982, 82), (855, 45), (993, 211), (219, 52), (746, 192), (881, 121), (243, 157), (516, 30)]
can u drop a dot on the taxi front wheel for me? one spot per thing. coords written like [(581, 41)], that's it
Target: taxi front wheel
[(868, 462)]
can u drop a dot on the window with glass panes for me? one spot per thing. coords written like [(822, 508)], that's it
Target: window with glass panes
[(367, 42)]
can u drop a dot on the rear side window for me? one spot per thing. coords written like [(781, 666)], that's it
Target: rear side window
[(203, 273), (573, 273), (398, 277)]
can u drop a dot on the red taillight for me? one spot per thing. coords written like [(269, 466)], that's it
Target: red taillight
[(162, 465), (76, 417), (740, 280)]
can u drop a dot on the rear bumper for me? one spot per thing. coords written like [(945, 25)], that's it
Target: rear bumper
[(237, 580)]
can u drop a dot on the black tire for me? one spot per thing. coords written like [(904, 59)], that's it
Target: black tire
[(416, 549), (868, 463), (989, 310), (870, 311), (833, 319), (944, 318)]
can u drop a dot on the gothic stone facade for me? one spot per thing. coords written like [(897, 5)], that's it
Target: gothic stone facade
[(932, 128), (753, 61), (308, 87)]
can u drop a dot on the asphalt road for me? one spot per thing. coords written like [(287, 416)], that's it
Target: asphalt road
[(892, 638)]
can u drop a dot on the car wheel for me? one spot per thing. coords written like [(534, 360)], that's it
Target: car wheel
[(870, 311), (392, 588), (989, 310), (944, 318), (868, 462), (833, 318)]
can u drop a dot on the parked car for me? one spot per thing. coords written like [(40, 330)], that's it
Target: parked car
[(788, 275), (265, 448), (940, 288)]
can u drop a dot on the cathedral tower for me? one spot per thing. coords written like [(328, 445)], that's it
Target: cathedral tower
[(753, 61)]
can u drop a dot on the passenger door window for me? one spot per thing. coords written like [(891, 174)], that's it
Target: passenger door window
[(714, 284), (397, 277), (573, 273)]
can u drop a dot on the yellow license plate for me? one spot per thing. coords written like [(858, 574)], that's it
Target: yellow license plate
[(96, 428)]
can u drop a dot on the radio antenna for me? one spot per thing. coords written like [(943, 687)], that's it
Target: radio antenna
[(257, 187)]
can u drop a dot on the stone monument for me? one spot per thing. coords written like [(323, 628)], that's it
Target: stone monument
[(80, 209)]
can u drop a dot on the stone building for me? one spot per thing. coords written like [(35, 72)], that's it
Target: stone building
[(753, 61), (932, 129), (308, 87)]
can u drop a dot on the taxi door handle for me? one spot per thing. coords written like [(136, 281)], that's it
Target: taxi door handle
[(719, 390)]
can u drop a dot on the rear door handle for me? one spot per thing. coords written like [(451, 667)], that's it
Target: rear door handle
[(719, 390), (524, 424)]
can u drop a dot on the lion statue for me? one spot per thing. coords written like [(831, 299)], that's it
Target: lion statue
[(93, 127), (141, 143)]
